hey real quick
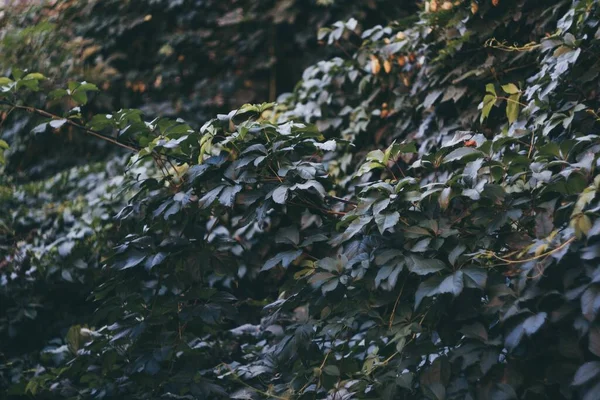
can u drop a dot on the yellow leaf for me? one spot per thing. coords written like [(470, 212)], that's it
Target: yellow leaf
[(375, 65), (446, 5), (387, 66)]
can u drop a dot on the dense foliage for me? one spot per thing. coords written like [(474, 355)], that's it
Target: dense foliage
[(418, 218)]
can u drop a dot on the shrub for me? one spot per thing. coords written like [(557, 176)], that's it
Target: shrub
[(418, 219)]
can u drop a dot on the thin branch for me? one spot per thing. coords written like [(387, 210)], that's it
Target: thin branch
[(507, 261), (86, 130), (396, 306), (341, 200)]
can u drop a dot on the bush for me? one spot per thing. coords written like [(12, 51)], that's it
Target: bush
[(417, 219)]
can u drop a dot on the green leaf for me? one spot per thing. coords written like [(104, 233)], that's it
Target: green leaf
[(134, 258), (285, 258), (586, 373), (35, 76), (57, 123), (320, 277), (87, 86), (17, 73), (424, 266), (280, 194), (451, 284), (460, 153), (425, 288), (356, 226), (154, 260), (289, 235), (57, 93), (512, 107), (488, 102), (227, 196), (208, 199), (376, 155), (510, 88), (475, 278), (5, 81), (386, 221), (444, 199), (80, 97)]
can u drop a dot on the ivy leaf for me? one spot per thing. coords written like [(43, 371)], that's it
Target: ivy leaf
[(57, 94), (510, 88), (534, 323), (488, 102), (332, 370), (227, 196), (320, 277), (423, 266), (594, 340), (79, 97), (356, 226), (285, 258), (528, 327), (209, 198), (460, 153), (451, 284), (196, 171), (512, 107), (475, 330), (280, 194), (455, 253), (426, 288), (57, 123), (154, 260), (65, 248), (475, 278), (444, 199), (329, 145), (386, 221), (289, 235), (134, 258), (586, 373), (590, 303), (490, 89)]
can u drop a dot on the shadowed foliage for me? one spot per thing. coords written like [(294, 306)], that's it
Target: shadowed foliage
[(416, 219)]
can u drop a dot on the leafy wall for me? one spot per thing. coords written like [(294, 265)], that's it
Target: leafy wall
[(417, 219)]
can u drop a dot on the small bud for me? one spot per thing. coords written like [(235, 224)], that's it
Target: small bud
[(375, 65), (387, 66), (474, 8)]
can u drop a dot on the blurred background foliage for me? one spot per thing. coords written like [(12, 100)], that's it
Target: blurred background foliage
[(431, 232)]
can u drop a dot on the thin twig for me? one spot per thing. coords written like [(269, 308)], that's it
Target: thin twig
[(86, 130), (507, 261), (341, 200), (395, 306)]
